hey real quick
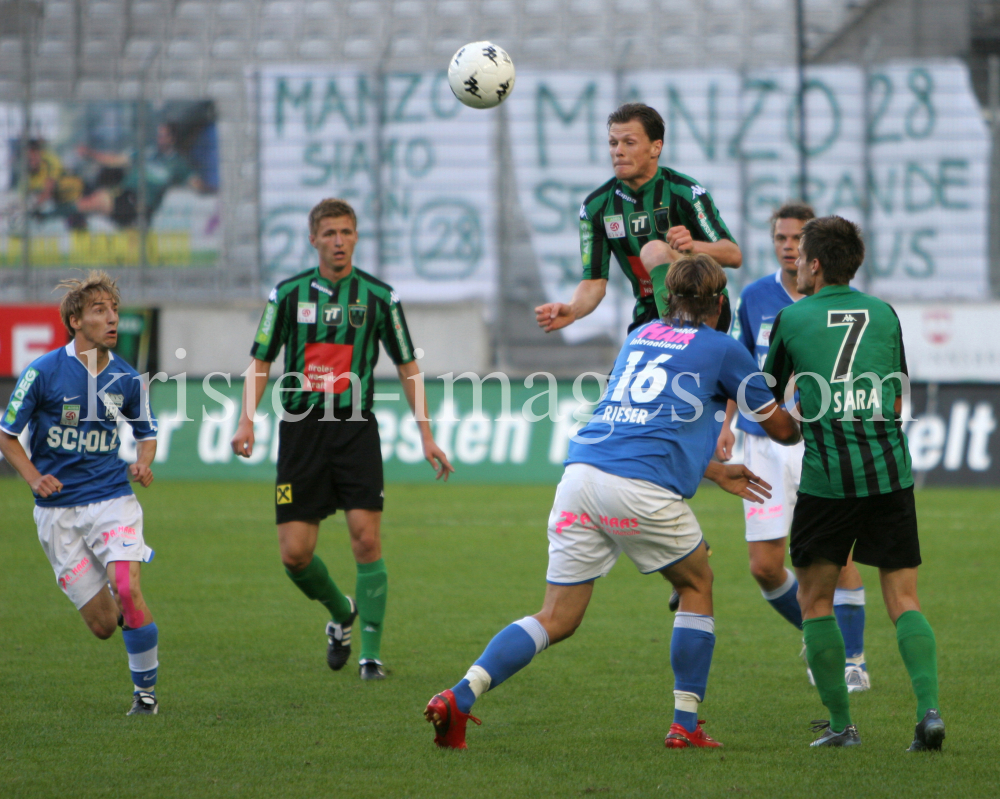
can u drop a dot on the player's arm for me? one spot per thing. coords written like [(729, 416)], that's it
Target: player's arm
[(712, 236), (779, 424), (413, 387), (727, 438), (595, 254), (586, 297), (254, 386), (739, 480), (140, 471), (42, 485)]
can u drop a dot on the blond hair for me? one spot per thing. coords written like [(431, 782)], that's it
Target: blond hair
[(330, 207), (81, 292), (695, 283)]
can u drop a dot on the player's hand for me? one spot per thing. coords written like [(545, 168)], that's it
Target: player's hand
[(436, 458), (141, 473), (554, 315), (724, 447), (243, 440), (739, 480), (679, 238), (46, 485)]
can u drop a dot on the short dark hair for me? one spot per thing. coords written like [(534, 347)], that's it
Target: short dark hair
[(694, 283), (837, 244), (793, 210), (330, 207), (650, 118)]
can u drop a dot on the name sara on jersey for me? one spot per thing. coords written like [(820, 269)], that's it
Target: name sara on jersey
[(69, 439)]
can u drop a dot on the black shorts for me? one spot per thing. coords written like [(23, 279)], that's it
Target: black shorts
[(725, 318), (326, 465), (882, 529)]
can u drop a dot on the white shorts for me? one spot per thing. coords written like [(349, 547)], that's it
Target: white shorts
[(81, 541), (596, 516), (782, 468)]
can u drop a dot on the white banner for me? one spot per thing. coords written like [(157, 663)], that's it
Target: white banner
[(914, 176), (431, 163), (949, 343)]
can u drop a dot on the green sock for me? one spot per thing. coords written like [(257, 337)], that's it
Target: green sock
[(827, 659), (658, 276), (918, 647), (372, 587), (314, 581)]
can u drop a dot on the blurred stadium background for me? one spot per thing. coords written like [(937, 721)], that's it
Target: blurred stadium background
[(180, 143)]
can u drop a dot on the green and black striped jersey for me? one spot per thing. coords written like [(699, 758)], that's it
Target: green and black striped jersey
[(617, 219), (331, 329), (844, 350)]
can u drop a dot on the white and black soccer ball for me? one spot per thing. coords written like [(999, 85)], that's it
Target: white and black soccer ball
[(481, 75)]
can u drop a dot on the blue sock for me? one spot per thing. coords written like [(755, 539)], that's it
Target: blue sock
[(691, 650), (784, 600), (510, 651), (141, 645), (849, 608)]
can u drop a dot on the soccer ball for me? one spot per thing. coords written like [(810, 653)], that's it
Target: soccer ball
[(481, 75)]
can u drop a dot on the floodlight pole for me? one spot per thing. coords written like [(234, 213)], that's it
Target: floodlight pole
[(800, 41)]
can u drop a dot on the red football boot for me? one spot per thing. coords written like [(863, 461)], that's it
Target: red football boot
[(449, 722), (679, 738)]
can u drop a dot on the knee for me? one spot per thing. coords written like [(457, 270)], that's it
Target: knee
[(366, 547), (654, 253), (295, 560), (767, 575), (558, 629), (103, 628)]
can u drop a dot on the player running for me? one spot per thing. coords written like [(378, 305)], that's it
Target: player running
[(627, 475), (647, 215), (330, 321), (846, 349), (767, 526), (89, 522)]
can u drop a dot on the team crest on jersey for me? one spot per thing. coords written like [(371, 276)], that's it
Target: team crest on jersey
[(306, 313), (614, 226), (661, 218), (356, 314), (112, 405), (638, 224), (70, 416), (332, 314)]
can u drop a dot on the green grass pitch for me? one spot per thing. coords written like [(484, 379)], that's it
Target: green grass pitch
[(249, 708)]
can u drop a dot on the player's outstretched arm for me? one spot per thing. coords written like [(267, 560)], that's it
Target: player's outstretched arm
[(413, 386), (140, 471), (43, 485), (779, 425), (739, 480), (586, 297), (254, 386)]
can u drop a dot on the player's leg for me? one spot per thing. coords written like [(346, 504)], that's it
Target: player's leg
[(849, 608), (372, 587), (767, 525), (139, 632), (100, 614), (507, 653), (691, 647), (297, 543)]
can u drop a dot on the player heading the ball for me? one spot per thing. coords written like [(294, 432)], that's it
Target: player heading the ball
[(647, 216)]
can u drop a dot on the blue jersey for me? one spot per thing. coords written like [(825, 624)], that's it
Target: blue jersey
[(663, 409), (72, 419), (759, 304)]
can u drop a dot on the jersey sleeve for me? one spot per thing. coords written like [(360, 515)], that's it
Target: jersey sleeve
[(138, 411), (394, 333), (899, 356), (778, 364), (594, 250), (742, 331), (737, 366), (26, 397), (701, 217), (272, 330)]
